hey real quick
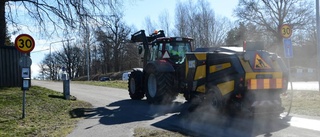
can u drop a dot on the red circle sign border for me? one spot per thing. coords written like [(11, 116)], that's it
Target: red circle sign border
[(16, 45)]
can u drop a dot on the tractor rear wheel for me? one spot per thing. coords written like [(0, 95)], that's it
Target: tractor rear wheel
[(159, 88), (213, 99), (135, 85)]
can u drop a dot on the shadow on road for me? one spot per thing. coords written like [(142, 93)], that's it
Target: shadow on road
[(56, 96), (126, 111), (208, 124), (180, 120)]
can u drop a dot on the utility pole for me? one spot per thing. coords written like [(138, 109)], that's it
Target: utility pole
[(318, 40), (88, 49)]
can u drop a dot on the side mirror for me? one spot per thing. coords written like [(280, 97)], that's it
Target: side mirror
[(140, 49)]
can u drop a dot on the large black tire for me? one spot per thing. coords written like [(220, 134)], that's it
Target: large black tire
[(135, 85), (213, 100), (159, 87), (209, 102)]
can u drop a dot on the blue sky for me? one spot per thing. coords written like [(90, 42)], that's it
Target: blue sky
[(137, 11), (134, 14)]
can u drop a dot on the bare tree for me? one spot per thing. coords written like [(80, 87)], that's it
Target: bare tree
[(132, 59), (119, 32), (305, 46), (69, 58), (49, 67), (181, 20), (112, 38), (205, 19), (201, 24), (164, 21), (56, 13), (150, 25), (243, 32), (44, 68), (105, 48), (218, 31), (270, 15)]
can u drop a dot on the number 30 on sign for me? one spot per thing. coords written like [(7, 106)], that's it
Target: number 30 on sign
[(24, 43), (286, 31)]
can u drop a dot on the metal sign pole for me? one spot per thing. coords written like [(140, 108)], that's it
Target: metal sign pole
[(24, 104), (25, 44), (288, 52), (290, 73), (318, 39), (25, 63), (291, 93)]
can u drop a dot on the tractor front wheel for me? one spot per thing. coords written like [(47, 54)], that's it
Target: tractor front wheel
[(159, 88)]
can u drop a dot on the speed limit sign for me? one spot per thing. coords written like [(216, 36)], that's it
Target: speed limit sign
[(24, 43), (286, 31)]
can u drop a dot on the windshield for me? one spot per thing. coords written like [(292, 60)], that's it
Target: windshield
[(177, 51)]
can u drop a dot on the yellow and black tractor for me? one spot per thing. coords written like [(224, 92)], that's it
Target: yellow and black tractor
[(247, 80)]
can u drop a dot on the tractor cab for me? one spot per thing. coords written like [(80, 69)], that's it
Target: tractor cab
[(157, 47), (172, 49)]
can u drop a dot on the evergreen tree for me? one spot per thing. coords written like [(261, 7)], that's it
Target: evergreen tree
[(8, 39)]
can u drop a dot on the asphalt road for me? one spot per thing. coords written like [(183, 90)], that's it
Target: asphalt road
[(115, 115)]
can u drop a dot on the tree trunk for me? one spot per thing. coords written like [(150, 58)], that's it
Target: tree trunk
[(2, 22), (279, 43), (116, 59)]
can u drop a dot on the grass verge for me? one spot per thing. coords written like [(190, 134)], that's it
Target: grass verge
[(47, 113), (303, 102), (146, 132), (114, 84)]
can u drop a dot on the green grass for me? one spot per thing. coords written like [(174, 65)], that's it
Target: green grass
[(303, 102), (47, 113), (114, 84), (146, 132)]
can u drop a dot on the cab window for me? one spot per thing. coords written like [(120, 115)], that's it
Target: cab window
[(156, 52)]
